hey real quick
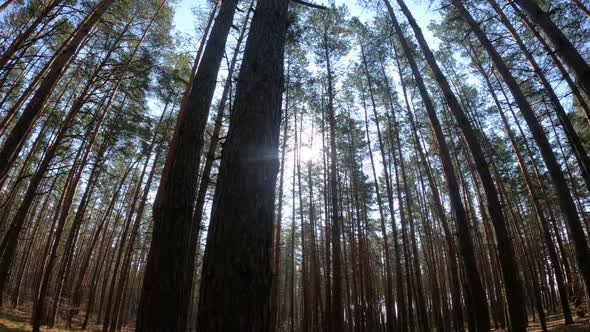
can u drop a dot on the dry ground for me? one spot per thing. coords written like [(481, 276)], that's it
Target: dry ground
[(18, 321)]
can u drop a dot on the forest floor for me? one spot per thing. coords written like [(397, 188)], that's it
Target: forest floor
[(19, 321), (555, 323)]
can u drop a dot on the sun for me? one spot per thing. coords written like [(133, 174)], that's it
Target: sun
[(309, 154)]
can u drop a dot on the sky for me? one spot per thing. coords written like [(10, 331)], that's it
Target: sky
[(184, 19)]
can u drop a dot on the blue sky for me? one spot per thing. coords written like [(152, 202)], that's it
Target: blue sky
[(184, 19)]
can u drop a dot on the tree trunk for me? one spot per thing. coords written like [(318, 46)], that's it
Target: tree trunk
[(562, 45), (14, 141), (513, 284), (573, 138), (582, 7), (337, 288), (389, 302), (22, 37), (538, 210), (476, 293), (566, 203), (163, 303), (400, 292), (236, 280), (275, 292), (126, 265), (5, 4), (205, 180)]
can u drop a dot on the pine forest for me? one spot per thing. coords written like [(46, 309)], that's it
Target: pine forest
[(295, 165)]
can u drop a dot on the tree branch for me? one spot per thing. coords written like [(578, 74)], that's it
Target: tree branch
[(309, 4)]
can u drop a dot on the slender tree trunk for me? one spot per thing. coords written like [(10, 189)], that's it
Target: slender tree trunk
[(400, 292), (538, 210), (52, 245), (328, 323), (126, 265), (562, 45), (573, 138), (513, 284), (389, 302), (306, 316), (102, 253), (14, 141), (4, 5), (582, 7), (477, 296), (22, 37), (315, 262), (65, 209), (275, 293), (10, 240), (337, 288), (420, 299), (566, 202)]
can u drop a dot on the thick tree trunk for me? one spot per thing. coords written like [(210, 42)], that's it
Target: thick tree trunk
[(573, 138), (163, 303), (236, 280), (196, 224), (580, 98), (205, 180)]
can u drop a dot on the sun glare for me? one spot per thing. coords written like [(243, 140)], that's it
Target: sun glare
[(309, 154)]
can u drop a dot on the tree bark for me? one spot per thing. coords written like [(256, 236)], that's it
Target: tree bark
[(541, 219), (574, 140), (236, 279), (210, 156), (163, 303), (389, 302)]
